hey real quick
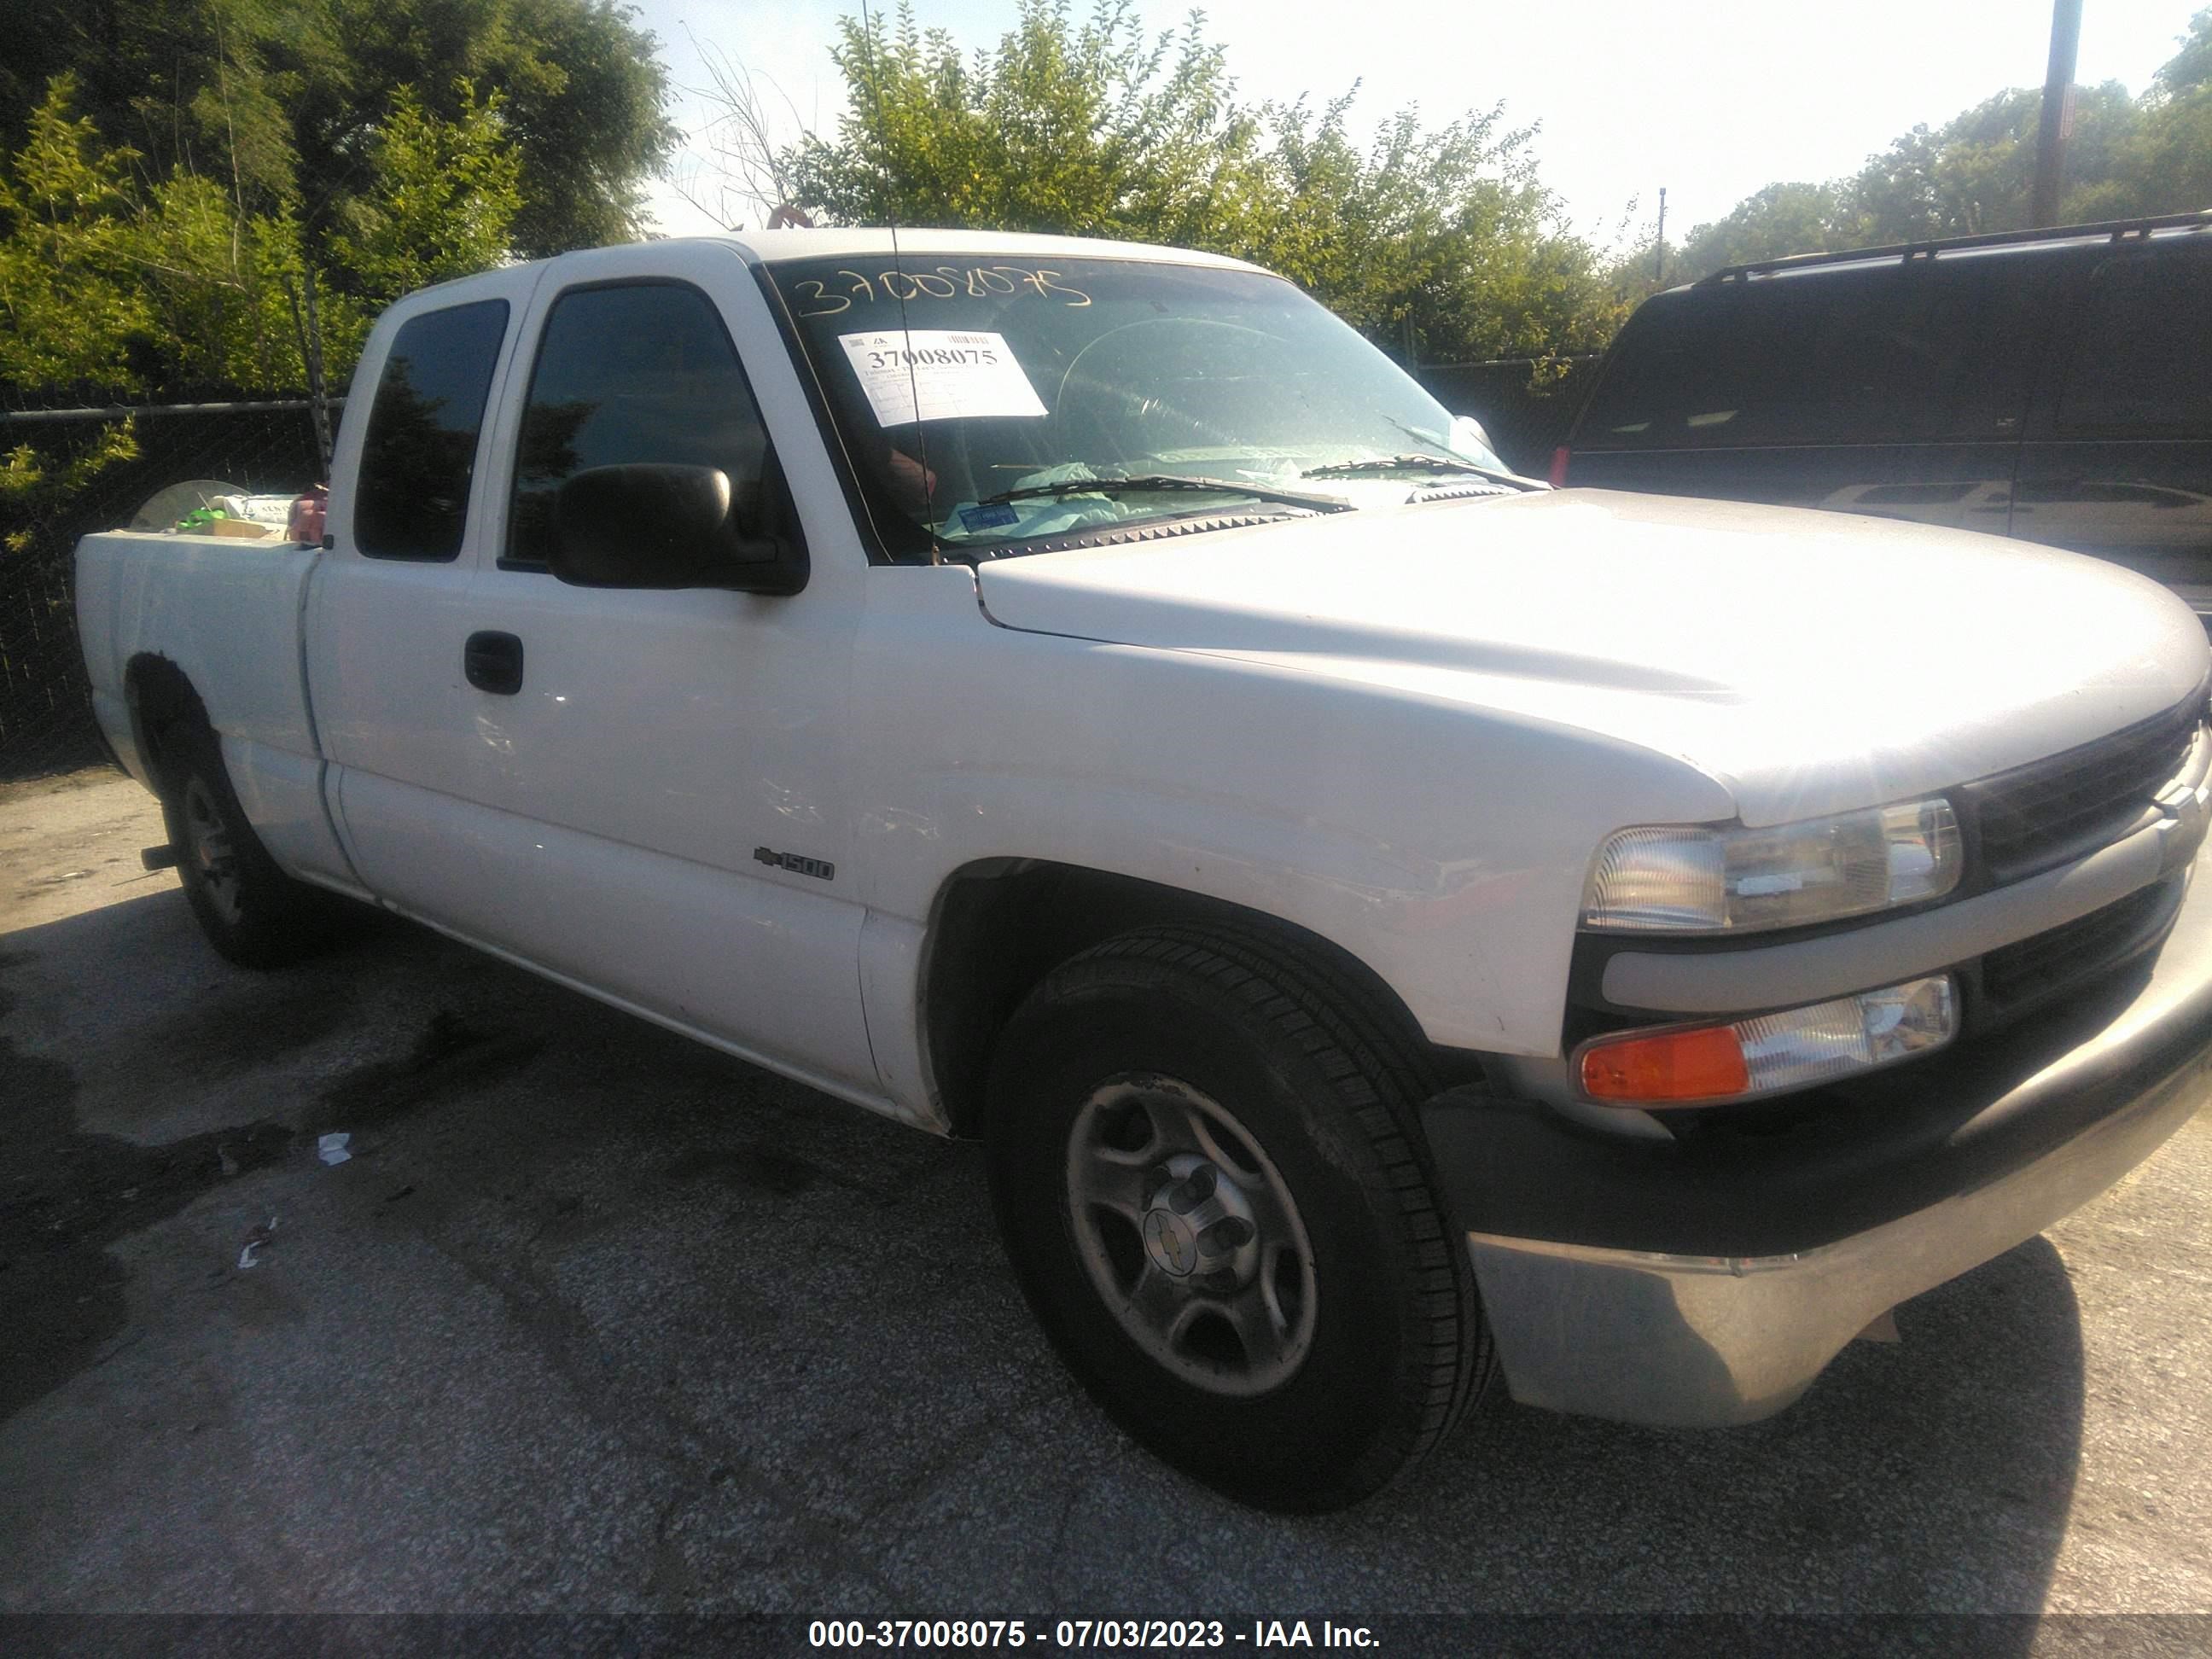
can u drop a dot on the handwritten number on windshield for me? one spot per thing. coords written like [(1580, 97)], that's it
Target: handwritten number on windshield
[(817, 298)]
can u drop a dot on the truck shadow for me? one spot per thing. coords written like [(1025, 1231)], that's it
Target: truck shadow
[(1933, 1473), (811, 1306)]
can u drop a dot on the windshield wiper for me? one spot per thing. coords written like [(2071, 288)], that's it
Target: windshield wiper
[(1165, 481), (1398, 464), (1420, 464), (1489, 472)]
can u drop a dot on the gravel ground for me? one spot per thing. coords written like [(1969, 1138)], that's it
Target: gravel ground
[(598, 1320)]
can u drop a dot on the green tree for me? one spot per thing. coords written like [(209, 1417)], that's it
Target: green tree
[(1976, 173), (70, 291), (443, 198), (33, 481), (210, 283), (71, 308), (1442, 241), (2170, 162), (282, 104), (108, 278), (1781, 219), (1439, 243), (2189, 69), (1093, 130)]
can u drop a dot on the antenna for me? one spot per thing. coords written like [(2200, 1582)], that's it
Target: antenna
[(906, 335)]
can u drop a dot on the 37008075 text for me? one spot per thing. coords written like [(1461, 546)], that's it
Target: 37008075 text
[(1017, 1632), (935, 357)]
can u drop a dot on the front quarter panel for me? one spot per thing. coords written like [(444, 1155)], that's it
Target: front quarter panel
[(1442, 845)]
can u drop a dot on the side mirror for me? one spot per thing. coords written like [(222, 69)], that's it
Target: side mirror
[(653, 525)]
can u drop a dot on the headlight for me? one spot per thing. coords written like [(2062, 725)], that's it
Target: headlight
[(1704, 881), (1771, 1054)]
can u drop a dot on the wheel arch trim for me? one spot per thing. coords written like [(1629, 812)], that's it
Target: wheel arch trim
[(998, 925)]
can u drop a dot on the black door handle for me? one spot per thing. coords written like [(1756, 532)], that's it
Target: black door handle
[(493, 662)]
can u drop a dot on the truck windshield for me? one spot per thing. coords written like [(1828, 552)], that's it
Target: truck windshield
[(977, 395)]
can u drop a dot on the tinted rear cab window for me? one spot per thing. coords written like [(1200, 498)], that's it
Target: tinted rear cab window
[(420, 452)]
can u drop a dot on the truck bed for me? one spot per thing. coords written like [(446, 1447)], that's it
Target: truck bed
[(228, 615)]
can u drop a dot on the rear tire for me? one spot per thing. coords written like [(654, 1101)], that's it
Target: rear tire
[(251, 911), (1203, 1159)]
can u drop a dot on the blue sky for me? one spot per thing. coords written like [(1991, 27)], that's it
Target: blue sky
[(1711, 99)]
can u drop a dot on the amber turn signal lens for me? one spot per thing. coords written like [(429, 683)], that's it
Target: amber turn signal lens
[(1771, 1054), (1703, 1064)]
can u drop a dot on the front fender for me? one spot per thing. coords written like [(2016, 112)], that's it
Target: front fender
[(1442, 845)]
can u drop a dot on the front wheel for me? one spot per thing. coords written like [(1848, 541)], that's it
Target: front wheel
[(1204, 1163)]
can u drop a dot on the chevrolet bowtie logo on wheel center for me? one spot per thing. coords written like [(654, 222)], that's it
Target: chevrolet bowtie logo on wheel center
[(1168, 1238)]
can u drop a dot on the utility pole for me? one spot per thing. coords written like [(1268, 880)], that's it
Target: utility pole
[(309, 329), (1659, 256), (2057, 123)]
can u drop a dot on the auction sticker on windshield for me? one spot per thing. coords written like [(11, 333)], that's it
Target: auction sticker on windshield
[(935, 375)]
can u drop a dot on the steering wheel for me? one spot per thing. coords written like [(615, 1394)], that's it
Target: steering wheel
[(1102, 412)]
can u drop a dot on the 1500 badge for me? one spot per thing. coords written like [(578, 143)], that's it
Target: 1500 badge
[(820, 868)]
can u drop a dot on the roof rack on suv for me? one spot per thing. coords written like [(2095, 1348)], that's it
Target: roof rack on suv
[(1907, 252)]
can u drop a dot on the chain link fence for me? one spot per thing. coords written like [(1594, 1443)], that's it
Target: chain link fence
[(72, 471)]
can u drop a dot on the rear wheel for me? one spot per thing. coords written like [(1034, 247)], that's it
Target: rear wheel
[(1204, 1162), (251, 911)]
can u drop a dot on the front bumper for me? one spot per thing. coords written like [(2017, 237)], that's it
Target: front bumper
[(1703, 1286)]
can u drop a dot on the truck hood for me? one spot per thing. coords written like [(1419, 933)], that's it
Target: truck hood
[(1809, 662)]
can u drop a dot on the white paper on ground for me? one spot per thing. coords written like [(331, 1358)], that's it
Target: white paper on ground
[(936, 375), (249, 1256)]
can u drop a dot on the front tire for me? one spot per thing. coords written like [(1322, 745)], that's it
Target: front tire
[(1203, 1161), (252, 912)]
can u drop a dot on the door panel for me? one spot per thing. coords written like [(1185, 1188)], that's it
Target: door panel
[(659, 742), (385, 658), (386, 613), (421, 850), (1956, 486), (771, 970)]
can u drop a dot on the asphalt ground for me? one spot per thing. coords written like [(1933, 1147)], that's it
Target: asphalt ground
[(596, 1320)]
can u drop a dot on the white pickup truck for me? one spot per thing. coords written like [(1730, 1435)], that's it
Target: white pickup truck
[(1390, 923)]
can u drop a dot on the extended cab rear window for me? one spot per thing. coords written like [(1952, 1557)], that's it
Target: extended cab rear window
[(420, 454)]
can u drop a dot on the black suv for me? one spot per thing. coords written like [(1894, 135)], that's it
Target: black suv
[(2052, 386)]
